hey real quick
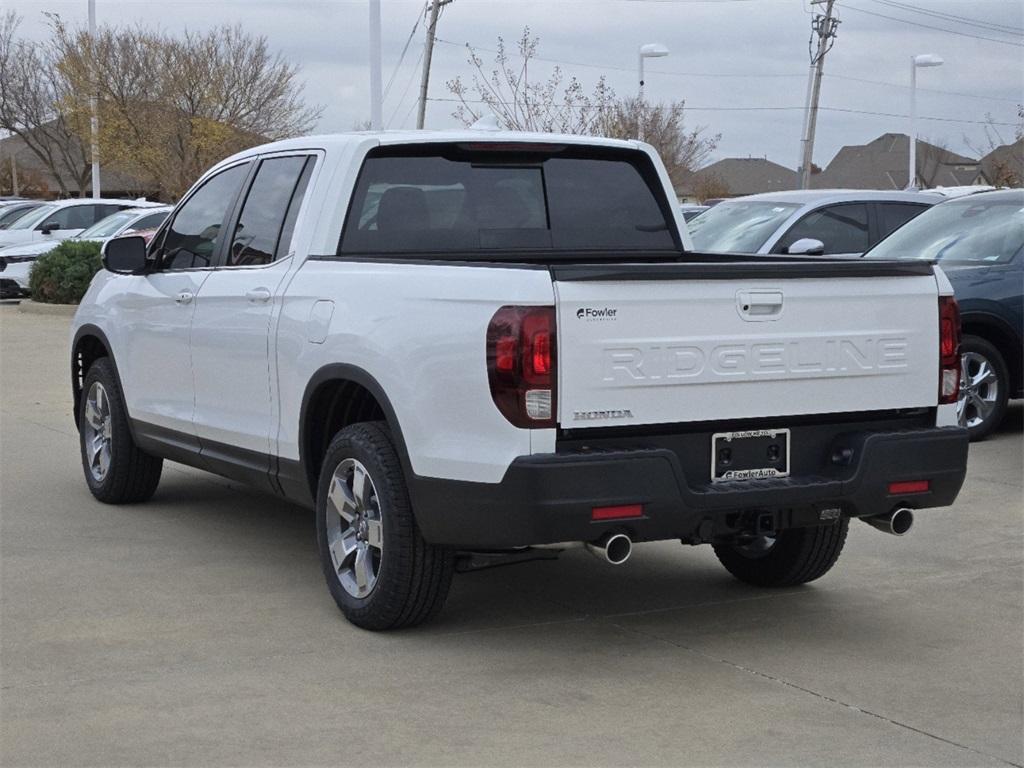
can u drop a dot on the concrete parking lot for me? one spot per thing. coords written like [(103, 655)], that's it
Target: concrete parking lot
[(196, 630)]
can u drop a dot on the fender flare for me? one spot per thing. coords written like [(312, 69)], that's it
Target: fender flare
[(347, 372), (88, 329)]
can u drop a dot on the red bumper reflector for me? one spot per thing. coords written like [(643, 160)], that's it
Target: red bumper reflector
[(909, 486), (617, 513)]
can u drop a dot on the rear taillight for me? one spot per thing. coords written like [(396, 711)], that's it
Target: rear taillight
[(521, 364), (949, 350)]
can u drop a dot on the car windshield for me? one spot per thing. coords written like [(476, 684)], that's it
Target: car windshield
[(32, 218), (109, 226), (738, 226), (971, 229)]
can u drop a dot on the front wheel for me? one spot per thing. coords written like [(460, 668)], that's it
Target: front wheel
[(984, 387), (116, 470), (379, 570), (787, 558)]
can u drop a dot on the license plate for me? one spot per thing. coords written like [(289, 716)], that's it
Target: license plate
[(749, 455)]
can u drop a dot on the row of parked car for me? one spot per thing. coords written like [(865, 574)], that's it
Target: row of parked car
[(977, 238), (30, 228)]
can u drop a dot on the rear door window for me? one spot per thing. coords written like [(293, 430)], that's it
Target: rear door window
[(457, 199), (260, 235)]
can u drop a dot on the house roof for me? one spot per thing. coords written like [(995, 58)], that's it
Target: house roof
[(882, 164), (749, 175), (28, 162)]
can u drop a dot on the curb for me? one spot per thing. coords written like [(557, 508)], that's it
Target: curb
[(54, 310)]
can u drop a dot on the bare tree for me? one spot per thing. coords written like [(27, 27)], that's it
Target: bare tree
[(36, 100), (560, 105), (170, 106), (554, 104), (709, 185), (683, 151), (1003, 160)]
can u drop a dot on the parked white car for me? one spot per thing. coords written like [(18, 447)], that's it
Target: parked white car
[(839, 222), (18, 259), (477, 347), (61, 219)]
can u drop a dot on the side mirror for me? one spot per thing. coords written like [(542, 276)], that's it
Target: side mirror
[(806, 246), (48, 226), (125, 255)]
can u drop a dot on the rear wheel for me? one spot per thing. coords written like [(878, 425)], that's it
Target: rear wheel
[(379, 570), (787, 558), (984, 387)]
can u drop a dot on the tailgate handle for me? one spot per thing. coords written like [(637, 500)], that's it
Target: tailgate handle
[(759, 305)]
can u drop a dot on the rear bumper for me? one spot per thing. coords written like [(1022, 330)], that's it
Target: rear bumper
[(550, 498)]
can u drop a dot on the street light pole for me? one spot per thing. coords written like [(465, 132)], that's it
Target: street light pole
[(648, 51), (376, 96), (922, 60), (94, 119)]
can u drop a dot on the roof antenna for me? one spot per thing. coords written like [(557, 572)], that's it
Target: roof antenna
[(486, 123)]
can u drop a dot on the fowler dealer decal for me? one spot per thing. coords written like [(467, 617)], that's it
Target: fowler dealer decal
[(589, 313)]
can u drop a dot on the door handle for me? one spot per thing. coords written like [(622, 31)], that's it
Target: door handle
[(184, 297), (258, 295)]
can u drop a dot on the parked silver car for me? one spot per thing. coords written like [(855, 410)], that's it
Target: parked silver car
[(836, 222)]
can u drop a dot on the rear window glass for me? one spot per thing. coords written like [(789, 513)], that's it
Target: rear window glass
[(453, 199)]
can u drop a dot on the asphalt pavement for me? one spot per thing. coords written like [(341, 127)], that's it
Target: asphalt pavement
[(196, 630)]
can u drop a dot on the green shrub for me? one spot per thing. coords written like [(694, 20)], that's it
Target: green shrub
[(62, 276)]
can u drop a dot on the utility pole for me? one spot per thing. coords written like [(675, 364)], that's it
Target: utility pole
[(94, 119), (376, 96), (428, 53), (823, 35)]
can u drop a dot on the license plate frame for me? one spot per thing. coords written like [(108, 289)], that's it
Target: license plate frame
[(743, 445)]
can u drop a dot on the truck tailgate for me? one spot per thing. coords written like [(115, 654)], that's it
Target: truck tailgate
[(683, 348)]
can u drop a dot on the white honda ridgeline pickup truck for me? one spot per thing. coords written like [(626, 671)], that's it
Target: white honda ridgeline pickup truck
[(473, 348)]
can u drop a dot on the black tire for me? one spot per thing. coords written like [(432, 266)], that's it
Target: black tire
[(972, 350), (799, 555), (413, 577), (132, 475)]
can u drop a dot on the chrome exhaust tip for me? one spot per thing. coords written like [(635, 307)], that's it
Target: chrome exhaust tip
[(614, 548), (897, 523)]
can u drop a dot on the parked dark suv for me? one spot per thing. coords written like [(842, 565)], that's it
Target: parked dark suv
[(978, 241)]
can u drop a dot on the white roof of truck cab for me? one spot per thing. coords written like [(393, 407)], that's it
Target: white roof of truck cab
[(329, 141)]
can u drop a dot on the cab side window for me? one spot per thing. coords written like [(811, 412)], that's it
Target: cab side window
[(265, 225), (842, 228), (194, 235)]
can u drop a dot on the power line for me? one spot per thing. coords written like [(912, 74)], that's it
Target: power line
[(671, 73), (405, 91), (845, 110), (920, 88), (631, 70), (405, 48), (930, 26), (985, 25)]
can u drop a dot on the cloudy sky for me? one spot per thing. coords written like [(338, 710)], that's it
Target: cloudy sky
[(741, 65)]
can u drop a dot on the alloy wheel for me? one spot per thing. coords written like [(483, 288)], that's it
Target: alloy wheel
[(97, 431), (979, 390), (355, 529)]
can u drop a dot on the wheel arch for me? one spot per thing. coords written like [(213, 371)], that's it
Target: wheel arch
[(337, 395), (1001, 335), (90, 344)]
